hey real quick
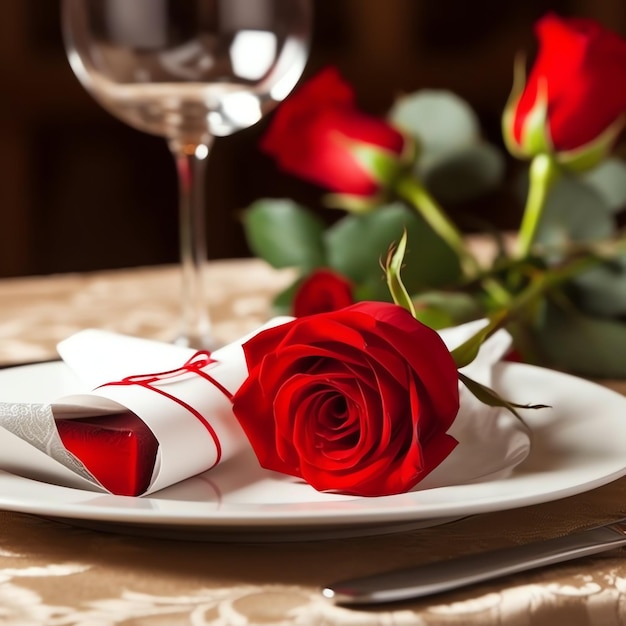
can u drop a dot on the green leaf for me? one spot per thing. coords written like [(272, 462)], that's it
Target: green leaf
[(608, 180), (466, 173), (439, 120), (433, 318), (285, 234), (583, 345), (439, 309), (465, 353), (356, 244), (373, 288), (574, 212), (491, 398), (602, 290)]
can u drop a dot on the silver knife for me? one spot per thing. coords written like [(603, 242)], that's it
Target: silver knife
[(433, 578)]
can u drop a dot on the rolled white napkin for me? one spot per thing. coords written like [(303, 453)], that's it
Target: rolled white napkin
[(182, 396)]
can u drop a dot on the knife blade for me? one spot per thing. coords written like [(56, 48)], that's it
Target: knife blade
[(438, 577)]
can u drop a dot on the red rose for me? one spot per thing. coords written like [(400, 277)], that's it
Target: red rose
[(322, 291), (357, 400), (576, 90), (320, 135)]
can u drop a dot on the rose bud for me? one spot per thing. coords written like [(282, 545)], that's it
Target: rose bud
[(319, 134), (574, 102), (356, 401), (322, 291)]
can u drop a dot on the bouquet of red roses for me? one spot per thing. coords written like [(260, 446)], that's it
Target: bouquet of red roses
[(567, 264)]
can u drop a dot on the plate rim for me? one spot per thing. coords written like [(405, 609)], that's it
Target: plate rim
[(236, 517)]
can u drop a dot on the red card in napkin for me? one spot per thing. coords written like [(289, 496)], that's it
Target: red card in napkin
[(119, 450)]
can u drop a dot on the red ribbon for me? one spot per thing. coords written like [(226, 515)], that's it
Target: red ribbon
[(195, 365)]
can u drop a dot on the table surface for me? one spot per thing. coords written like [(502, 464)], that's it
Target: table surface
[(55, 573)]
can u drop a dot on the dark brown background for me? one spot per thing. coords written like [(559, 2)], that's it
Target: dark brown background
[(81, 191)]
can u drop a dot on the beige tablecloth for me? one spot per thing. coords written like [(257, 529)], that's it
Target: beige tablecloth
[(54, 573)]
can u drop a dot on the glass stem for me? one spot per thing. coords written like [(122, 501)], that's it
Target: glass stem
[(191, 159)]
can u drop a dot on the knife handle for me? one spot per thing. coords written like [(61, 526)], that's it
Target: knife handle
[(432, 578)]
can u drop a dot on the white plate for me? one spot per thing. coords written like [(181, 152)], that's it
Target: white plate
[(578, 444)]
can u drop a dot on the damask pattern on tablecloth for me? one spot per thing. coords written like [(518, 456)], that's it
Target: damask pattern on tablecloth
[(37, 313), (23, 606), (584, 601), (58, 575)]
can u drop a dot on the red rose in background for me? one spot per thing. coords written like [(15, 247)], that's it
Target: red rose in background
[(576, 90), (320, 135), (357, 400), (321, 292)]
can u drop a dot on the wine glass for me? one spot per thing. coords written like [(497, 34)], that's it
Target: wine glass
[(188, 70)]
